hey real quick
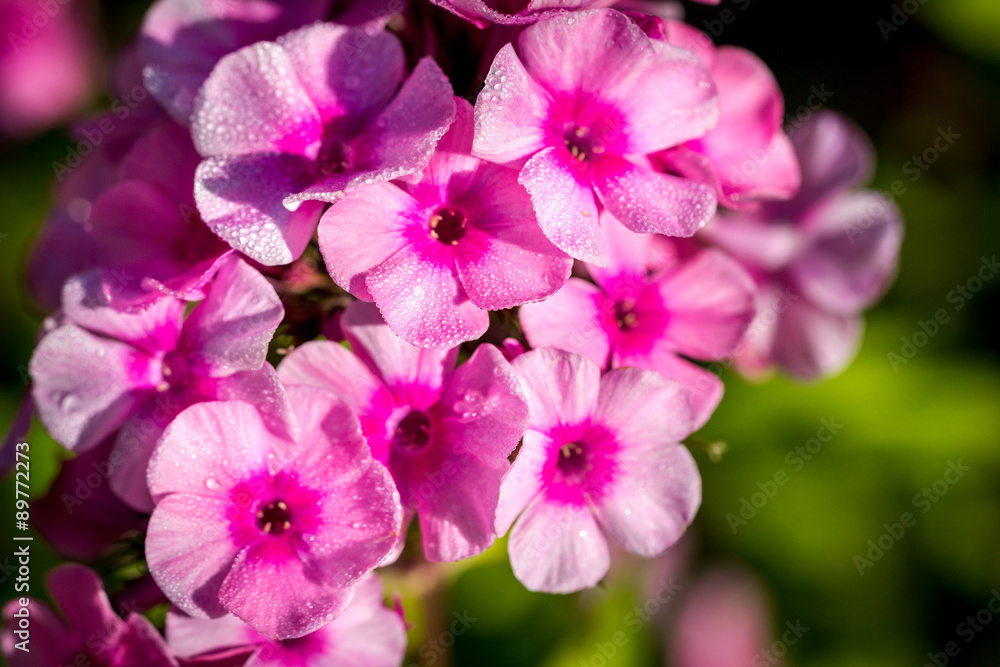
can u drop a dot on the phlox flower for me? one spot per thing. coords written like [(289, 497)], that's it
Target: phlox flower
[(273, 530), (436, 254), (285, 125), (102, 369), (579, 107), (651, 307), (89, 632), (444, 433), (600, 455), (182, 40), (366, 634), (820, 258), (747, 157)]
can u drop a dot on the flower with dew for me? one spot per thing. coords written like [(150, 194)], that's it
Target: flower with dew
[(273, 530), (579, 108), (444, 433), (286, 125), (436, 254)]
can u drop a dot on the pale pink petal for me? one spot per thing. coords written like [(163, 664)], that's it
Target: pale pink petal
[(510, 119), (279, 597), (711, 301), (240, 199), (504, 259), (485, 412), (650, 202), (252, 103), (852, 254), (85, 386), (556, 548), (571, 319), (331, 366), (423, 302), (233, 444), (564, 203), (400, 141), (230, 330), (643, 410), (523, 481), (415, 375), (189, 636), (190, 551), (350, 74), (686, 36), (561, 388), (362, 231)]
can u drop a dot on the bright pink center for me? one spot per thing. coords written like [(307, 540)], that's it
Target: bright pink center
[(273, 507), (274, 518), (581, 464), (447, 225), (583, 144)]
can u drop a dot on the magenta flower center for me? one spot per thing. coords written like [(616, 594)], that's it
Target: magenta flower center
[(413, 431), (274, 518), (447, 225), (582, 144)]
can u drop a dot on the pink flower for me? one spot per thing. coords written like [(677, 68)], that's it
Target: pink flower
[(513, 12), (103, 369), (590, 97), (650, 307), (48, 63), (601, 454), (445, 434), (92, 633), (322, 110), (820, 259), (746, 157), (184, 39), (436, 254), (365, 634), (723, 621), (273, 530)]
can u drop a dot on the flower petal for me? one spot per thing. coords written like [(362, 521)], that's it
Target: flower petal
[(571, 319), (561, 388)]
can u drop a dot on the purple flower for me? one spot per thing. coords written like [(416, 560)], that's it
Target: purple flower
[(270, 529), (746, 158), (589, 98), (820, 259), (650, 307), (102, 369), (322, 110), (445, 434), (366, 634), (182, 40), (436, 254), (513, 12), (92, 633), (600, 455)]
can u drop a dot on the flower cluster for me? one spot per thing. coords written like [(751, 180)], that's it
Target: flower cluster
[(291, 297)]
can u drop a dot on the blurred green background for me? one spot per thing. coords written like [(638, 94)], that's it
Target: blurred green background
[(901, 429)]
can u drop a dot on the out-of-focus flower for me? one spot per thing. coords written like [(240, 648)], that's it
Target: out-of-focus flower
[(436, 254), (444, 433), (820, 259), (601, 454), (273, 530)]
